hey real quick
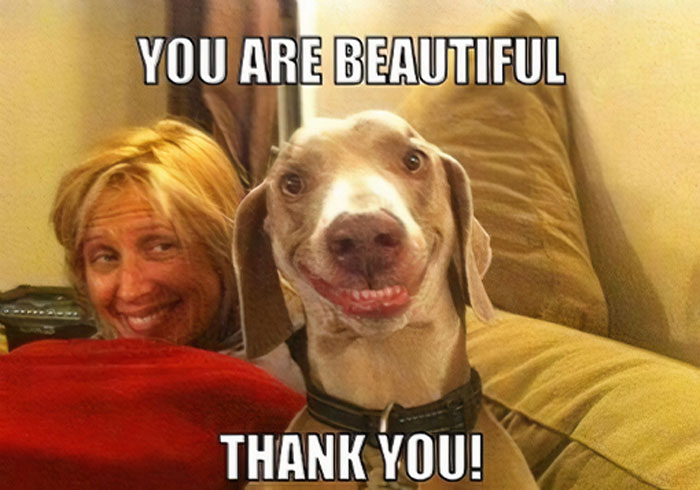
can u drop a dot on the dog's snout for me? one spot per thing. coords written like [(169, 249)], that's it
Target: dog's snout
[(367, 243)]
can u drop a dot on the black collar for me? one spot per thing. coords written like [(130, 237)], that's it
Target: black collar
[(455, 412)]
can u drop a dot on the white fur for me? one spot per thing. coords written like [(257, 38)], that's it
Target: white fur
[(355, 193)]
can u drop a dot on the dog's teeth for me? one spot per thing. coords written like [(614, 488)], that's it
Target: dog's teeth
[(396, 289), (366, 294), (372, 294), (380, 294), (356, 294)]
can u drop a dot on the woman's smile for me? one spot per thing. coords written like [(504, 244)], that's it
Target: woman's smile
[(149, 318)]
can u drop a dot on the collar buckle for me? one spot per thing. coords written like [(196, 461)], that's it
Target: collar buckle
[(384, 418), (383, 426)]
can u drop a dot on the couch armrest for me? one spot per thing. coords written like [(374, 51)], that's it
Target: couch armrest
[(586, 411)]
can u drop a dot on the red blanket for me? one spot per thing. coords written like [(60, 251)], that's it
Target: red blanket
[(129, 414)]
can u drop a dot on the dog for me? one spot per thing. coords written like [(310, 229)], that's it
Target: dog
[(374, 228)]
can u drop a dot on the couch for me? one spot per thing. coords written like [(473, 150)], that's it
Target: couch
[(588, 411)]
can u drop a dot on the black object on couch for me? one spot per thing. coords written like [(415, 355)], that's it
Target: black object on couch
[(31, 313)]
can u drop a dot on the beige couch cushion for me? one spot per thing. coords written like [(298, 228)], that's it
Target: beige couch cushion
[(514, 141), (588, 412)]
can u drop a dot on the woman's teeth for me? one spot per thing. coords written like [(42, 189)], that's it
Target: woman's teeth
[(146, 322)]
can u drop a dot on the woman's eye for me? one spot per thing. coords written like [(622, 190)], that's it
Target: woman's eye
[(163, 247), (413, 160), (103, 258), (292, 184)]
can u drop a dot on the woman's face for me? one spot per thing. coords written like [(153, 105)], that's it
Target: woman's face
[(140, 278)]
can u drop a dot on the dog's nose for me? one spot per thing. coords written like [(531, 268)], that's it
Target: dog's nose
[(367, 243)]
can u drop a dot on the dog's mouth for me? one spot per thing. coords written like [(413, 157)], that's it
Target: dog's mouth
[(371, 303)]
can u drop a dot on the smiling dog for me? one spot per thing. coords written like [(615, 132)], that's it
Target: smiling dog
[(374, 228)]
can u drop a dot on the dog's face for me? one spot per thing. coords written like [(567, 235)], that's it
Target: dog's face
[(360, 222), (360, 217)]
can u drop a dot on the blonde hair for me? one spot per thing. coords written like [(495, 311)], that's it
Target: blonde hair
[(186, 176)]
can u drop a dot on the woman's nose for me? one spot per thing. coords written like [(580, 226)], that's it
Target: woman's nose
[(134, 279)]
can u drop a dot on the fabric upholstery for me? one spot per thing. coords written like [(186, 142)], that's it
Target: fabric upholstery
[(513, 141), (588, 412), (129, 413)]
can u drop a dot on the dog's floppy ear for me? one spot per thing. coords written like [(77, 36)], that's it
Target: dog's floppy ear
[(474, 251), (264, 316)]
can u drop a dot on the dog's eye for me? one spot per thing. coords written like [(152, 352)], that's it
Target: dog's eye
[(413, 160), (292, 184)]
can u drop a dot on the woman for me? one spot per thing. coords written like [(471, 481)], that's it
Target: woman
[(146, 224)]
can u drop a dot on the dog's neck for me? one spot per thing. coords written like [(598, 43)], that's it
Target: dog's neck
[(413, 366)]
